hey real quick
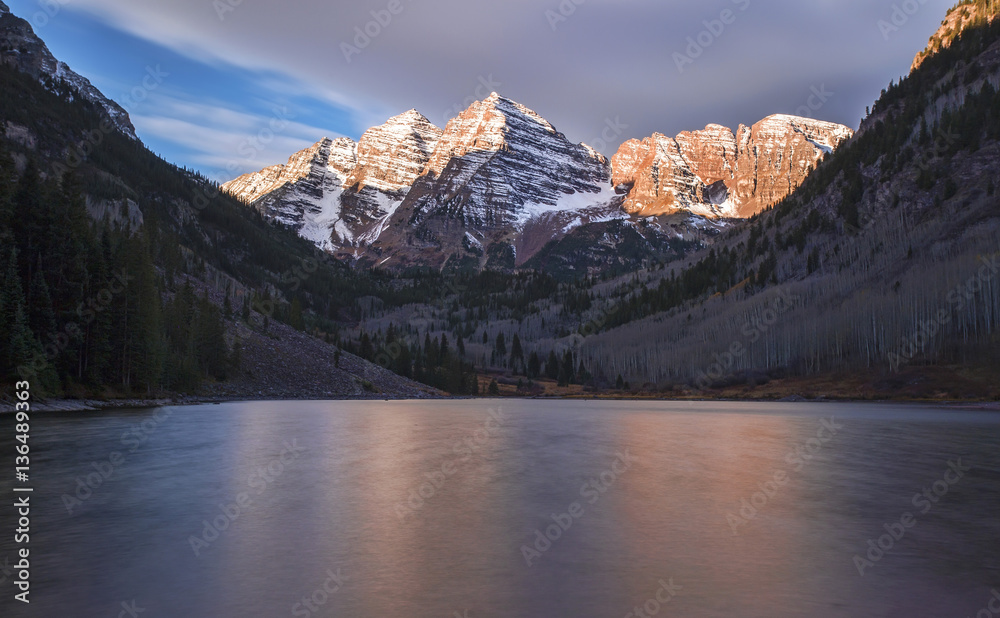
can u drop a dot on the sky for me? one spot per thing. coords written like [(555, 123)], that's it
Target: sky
[(243, 84)]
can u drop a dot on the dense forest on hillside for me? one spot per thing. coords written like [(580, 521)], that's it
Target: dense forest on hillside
[(82, 305)]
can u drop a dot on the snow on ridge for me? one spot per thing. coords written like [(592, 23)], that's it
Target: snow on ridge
[(566, 202)]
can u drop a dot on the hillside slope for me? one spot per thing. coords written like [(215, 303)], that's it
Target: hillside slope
[(21, 48), (884, 262), (964, 15)]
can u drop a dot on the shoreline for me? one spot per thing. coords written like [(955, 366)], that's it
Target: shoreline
[(96, 405)]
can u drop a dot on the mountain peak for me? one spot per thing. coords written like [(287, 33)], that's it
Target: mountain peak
[(964, 15), (392, 156), (409, 117), (719, 173), (501, 112), (36, 60)]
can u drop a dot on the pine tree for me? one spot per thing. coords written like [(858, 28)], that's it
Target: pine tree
[(30, 220), (25, 356), (367, 350), (443, 350), (94, 356), (534, 365), (70, 239), (567, 372), (9, 277), (295, 319), (236, 357), (500, 346), (210, 340), (552, 366), (41, 317), (144, 343), (582, 375), (404, 362), (516, 353), (7, 181)]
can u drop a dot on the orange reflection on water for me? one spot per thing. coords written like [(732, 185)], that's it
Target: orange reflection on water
[(682, 513)]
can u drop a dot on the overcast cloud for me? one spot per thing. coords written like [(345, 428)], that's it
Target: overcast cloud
[(576, 64)]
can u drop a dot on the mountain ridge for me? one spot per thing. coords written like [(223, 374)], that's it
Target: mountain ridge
[(717, 173), (26, 51), (500, 175), (959, 18)]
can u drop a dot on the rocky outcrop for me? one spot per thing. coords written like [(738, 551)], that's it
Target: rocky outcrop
[(409, 192), (391, 157), (498, 169), (338, 193), (21, 47), (964, 15), (716, 173)]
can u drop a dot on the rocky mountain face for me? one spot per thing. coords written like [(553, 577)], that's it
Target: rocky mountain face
[(498, 173), (337, 193), (962, 16), (716, 173), (500, 183), (21, 47)]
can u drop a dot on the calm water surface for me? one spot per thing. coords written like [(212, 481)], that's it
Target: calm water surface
[(436, 509)]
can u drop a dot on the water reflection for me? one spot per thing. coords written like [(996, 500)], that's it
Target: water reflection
[(426, 509)]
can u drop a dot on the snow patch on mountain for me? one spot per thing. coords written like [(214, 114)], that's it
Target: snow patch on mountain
[(340, 194)]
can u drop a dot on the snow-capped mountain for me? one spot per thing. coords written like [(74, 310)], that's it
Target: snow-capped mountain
[(500, 176), (21, 47), (716, 173), (496, 172), (338, 193), (500, 182)]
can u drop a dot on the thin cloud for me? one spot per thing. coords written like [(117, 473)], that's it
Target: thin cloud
[(219, 138), (607, 59)]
